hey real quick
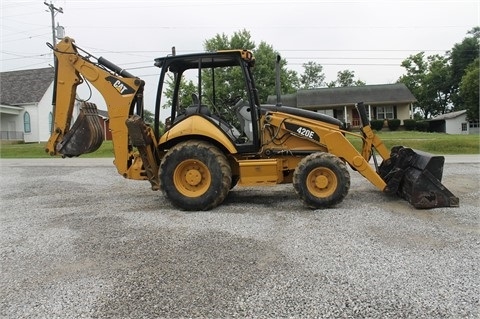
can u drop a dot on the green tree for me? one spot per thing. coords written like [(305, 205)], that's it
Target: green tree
[(417, 81), (187, 88), (461, 56), (469, 90), (346, 78), (264, 70), (239, 40), (437, 83), (435, 80), (313, 76), (148, 117)]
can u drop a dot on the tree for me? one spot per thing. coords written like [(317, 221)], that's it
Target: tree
[(420, 82), (228, 81), (239, 40), (437, 83), (264, 70), (469, 90), (312, 76), (461, 56), (148, 117), (187, 88), (346, 78), (435, 80)]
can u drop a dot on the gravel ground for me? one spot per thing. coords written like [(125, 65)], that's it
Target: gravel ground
[(79, 241)]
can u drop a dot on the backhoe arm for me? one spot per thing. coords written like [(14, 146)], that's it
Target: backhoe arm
[(123, 94)]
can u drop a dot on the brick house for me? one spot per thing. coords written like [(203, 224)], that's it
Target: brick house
[(384, 101)]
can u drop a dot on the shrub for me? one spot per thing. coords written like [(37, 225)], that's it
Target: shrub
[(409, 124), (376, 125), (422, 126), (393, 124)]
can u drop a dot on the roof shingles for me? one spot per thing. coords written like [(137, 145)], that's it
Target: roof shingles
[(25, 86), (370, 94), (342, 96)]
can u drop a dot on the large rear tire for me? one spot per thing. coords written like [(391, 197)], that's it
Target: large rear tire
[(321, 180), (195, 175)]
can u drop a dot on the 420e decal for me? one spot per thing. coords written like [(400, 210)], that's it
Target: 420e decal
[(303, 131)]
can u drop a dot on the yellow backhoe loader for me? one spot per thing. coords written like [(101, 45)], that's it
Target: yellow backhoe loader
[(218, 135)]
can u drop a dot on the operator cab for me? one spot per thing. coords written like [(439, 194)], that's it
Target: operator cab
[(215, 85)]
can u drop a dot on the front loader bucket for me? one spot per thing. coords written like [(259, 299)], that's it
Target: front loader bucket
[(417, 177), (85, 135)]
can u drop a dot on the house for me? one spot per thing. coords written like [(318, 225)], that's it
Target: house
[(105, 124), (454, 123), (385, 101), (26, 104)]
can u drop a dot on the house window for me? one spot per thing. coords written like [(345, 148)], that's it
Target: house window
[(464, 127), (27, 128), (328, 112), (474, 124), (385, 112), (50, 120)]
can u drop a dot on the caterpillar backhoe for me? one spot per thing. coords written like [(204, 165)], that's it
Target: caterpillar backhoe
[(218, 135)]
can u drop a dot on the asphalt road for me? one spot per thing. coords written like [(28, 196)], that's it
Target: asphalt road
[(79, 241)]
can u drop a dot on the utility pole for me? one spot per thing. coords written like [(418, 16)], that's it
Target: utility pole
[(53, 11)]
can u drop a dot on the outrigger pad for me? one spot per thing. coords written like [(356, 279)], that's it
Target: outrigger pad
[(85, 135), (416, 176)]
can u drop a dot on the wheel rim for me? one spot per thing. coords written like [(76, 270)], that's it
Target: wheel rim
[(192, 178), (322, 182)]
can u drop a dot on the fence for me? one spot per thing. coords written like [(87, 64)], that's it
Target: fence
[(11, 135)]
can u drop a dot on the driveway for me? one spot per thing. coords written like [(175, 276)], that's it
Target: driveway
[(77, 240)]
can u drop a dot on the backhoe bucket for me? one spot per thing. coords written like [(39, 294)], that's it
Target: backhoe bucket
[(417, 177), (86, 134)]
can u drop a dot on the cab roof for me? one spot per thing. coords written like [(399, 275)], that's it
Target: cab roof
[(224, 58)]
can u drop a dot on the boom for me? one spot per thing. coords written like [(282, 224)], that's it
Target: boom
[(123, 94)]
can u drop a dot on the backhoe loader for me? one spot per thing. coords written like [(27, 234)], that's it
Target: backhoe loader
[(218, 135)]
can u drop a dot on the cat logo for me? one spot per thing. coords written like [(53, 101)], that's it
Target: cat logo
[(120, 86)]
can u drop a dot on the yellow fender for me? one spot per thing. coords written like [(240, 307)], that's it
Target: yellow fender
[(198, 125)]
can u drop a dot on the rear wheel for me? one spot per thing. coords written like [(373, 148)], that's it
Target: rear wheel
[(195, 175), (321, 180)]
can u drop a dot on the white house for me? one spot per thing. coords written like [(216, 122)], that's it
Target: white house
[(26, 105), (454, 123)]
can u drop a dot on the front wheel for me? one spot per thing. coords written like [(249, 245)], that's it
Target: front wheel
[(321, 180), (195, 175)]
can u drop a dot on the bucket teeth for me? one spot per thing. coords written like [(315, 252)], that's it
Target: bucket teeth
[(85, 135), (416, 176)]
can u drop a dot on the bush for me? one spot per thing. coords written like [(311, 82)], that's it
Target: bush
[(376, 125), (409, 124), (393, 124), (422, 126)]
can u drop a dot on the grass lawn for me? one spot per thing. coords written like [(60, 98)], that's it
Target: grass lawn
[(436, 143), (37, 150)]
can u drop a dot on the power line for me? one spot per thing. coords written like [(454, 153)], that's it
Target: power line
[(19, 56), (53, 12)]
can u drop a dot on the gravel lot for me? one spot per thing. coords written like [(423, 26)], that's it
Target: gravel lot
[(79, 241)]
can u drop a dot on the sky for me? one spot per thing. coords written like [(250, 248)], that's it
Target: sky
[(369, 37)]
